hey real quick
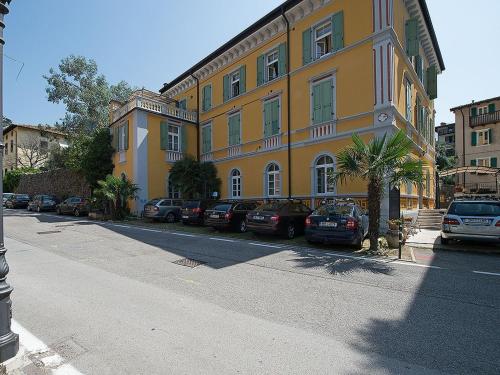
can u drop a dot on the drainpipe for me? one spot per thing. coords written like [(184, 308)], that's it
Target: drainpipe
[(197, 116), (463, 141), (289, 143)]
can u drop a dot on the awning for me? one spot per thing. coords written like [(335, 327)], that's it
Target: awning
[(470, 169)]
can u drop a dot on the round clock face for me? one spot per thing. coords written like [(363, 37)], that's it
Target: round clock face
[(382, 117)]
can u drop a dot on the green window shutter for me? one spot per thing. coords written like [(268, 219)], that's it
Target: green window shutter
[(207, 98), (473, 111), (432, 82), (226, 88), (115, 138), (204, 99), (163, 136), (183, 104), (184, 139), (338, 31), (490, 135), (275, 117), (473, 163), (491, 108), (418, 67), (267, 119), (473, 139), (206, 136), (316, 100), (243, 79), (493, 162), (419, 115), (234, 130), (126, 136), (282, 69), (326, 100), (306, 47), (260, 69), (412, 37), (237, 130)]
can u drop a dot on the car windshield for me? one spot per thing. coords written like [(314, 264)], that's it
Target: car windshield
[(222, 207), (274, 206), (191, 204), (153, 202), (475, 209), (22, 196), (333, 210)]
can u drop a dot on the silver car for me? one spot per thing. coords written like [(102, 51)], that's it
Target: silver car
[(477, 220), (163, 209)]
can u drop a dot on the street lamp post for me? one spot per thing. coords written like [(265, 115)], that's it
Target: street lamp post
[(9, 341)]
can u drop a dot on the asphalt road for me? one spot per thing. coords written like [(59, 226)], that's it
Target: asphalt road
[(115, 293)]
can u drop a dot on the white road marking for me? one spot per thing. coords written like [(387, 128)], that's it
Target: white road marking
[(182, 234), (403, 263), (265, 245), (386, 261), (221, 239), (487, 273)]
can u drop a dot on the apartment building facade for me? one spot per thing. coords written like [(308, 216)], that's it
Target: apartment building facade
[(273, 106), (29, 145), (477, 143), (446, 137)]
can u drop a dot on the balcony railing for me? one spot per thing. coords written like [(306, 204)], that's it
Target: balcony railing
[(155, 106), (272, 142), (207, 156), (322, 130), (234, 150), (173, 156), (487, 118)]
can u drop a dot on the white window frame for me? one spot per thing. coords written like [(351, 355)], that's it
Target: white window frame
[(233, 81), (482, 110), (326, 38), (273, 176), (269, 63), (486, 162), (326, 186), (235, 183), (318, 81), (121, 138), (172, 136), (485, 135), (171, 192)]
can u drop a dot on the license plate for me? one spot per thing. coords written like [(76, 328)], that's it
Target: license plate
[(476, 221), (329, 224), (214, 216), (185, 216), (258, 217)]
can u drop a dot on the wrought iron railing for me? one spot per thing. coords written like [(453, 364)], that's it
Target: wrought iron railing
[(486, 118)]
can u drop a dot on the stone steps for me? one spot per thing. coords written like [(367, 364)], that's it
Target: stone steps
[(430, 219)]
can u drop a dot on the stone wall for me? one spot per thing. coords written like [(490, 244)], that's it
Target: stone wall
[(62, 183)]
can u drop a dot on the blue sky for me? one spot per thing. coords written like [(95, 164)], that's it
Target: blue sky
[(149, 42)]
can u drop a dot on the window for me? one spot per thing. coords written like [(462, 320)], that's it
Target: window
[(482, 110), (483, 137), (273, 180), (207, 98), (322, 101), (324, 170), (121, 138), (408, 100), (271, 117), (183, 104), (44, 147), (173, 138), (483, 162), (235, 184), (172, 190), (206, 139), (449, 139), (11, 145), (323, 39), (272, 65), (234, 129), (234, 80)]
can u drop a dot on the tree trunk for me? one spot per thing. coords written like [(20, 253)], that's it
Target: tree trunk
[(374, 197)]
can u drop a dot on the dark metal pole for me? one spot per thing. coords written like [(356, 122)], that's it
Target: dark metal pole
[(288, 99), (9, 341)]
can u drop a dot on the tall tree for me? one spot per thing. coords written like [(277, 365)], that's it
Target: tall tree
[(381, 161), (32, 152), (195, 179), (85, 93)]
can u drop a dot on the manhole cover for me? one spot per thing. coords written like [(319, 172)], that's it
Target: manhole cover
[(187, 262), (50, 232)]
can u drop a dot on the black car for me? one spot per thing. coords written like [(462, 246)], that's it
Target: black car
[(17, 201), (74, 206), (279, 217), (229, 215), (41, 203), (193, 211), (342, 223)]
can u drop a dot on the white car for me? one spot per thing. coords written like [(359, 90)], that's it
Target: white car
[(475, 220)]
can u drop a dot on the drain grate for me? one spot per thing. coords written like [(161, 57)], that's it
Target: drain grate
[(187, 262), (49, 232)]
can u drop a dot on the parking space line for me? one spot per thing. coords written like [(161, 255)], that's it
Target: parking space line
[(487, 273), (182, 234), (265, 245), (221, 239)]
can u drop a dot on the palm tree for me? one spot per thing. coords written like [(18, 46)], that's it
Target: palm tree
[(117, 191), (380, 162)]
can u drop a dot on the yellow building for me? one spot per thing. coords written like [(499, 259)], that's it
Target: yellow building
[(274, 105)]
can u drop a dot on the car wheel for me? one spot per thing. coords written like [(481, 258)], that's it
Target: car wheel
[(77, 212), (290, 231), (243, 226), (444, 241), (170, 218)]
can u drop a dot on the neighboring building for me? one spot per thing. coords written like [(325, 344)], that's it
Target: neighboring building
[(29, 145), (273, 106), (477, 134), (446, 137)]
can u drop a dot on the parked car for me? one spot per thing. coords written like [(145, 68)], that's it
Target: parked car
[(285, 217), (471, 219), (41, 203), (164, 209), (340, 222), (6, 196), (193, 211), (77, 206), (229, 215), (17, 201)]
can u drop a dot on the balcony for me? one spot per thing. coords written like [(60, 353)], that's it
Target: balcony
[(322, 130), (234, 151), (173, 156), (272, 142), (207, 157), (487, 118), (156, 106)]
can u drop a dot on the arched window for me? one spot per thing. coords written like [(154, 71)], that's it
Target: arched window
[(235, 183), (273, 180), (324, 170), (173, 190)]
